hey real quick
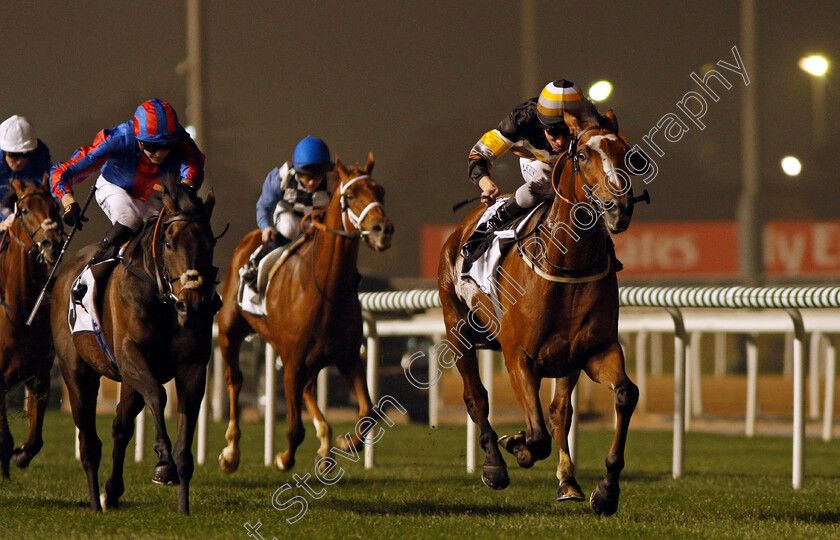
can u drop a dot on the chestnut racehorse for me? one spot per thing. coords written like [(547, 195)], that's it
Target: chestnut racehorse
[(558, 302), (30, 248), (156, 314), (314, 317)]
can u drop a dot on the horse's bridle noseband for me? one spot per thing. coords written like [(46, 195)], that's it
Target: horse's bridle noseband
[(47, 224)]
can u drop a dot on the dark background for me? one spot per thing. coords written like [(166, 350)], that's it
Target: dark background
[(418, 83)]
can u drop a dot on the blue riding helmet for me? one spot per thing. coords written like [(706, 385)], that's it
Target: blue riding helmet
[(312, 156)]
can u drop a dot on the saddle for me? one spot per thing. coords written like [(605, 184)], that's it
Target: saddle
[(252, 298)]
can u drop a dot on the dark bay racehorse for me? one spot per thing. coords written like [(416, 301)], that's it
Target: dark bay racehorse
[(30, 248), (156, 314), (559, 312), (314, 316)]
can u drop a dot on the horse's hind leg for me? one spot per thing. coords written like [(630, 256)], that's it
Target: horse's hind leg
[(322, 427), (39, 389), (130, 405), (352, 369), (6, 441), (535, 443), (293, 380), (608, 367), (560, 417), (83, 386), (190, 382), (231, 335)]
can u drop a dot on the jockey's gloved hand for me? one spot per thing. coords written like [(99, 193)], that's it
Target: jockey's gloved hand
[(73, 215)]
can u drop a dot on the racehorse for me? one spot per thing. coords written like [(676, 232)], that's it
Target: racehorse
[(30, 248), (156, 314), (314, 317), (556, 313)]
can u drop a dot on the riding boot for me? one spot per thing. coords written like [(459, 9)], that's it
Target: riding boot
[(249, 277), (509, 211), (116, 236)]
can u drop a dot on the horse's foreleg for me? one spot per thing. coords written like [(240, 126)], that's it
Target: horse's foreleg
[(6, 440), (494, 471), (352, 369), (608, 367), (229, 458), (39, 389), (293, 380), (83, 387), (131, 404), (560, 417), (535, 443), (322, 427), (190, 382), (142, 380)]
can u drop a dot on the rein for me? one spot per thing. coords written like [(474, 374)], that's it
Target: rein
[(160, 278), (569, 278), (34, 246), (346, 214)]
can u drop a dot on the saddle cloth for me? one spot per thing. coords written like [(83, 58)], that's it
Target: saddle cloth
[(81, 314), (254, 301), (483, 271)]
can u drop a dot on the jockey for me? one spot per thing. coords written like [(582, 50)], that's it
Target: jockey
[(24, 156), (289, 192), (136, 158), (536, 132)]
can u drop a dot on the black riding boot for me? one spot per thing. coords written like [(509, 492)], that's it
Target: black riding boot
[(509, 211), (116, 236)]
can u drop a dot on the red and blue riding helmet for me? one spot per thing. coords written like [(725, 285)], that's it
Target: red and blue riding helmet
[(155, 121)]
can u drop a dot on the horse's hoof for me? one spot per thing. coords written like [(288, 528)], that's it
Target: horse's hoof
[(604, 500), (495, 476), (227, 464), (103, 501), (166, 475), (278, 462), (509, 443), (21, 458), (569, 490)]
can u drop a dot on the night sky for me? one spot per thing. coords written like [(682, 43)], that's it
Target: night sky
[(418, 83)]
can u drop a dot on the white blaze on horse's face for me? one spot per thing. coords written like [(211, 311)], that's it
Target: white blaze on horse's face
[(594, 143)]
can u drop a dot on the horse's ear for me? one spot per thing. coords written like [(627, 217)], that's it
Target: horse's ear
[(612, 121), (369, 164), (339, 167), (209, 203), (18, 185), (572, 123)]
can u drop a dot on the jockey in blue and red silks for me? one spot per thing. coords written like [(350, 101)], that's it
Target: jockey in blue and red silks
[(136, 157)]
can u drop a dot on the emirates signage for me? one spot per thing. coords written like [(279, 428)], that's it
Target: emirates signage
[(698, 249)]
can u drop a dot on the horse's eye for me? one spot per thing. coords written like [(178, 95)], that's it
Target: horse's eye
[(167, 245), (349, 197), (581, 156)]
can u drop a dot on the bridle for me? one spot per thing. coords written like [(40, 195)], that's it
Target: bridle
[(159, 275), (561, 163), (46, 224), (347, 213)]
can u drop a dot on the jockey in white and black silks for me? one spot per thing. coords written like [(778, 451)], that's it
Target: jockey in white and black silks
[(289, 192), (536, 132), (24, 157), (136, 157)]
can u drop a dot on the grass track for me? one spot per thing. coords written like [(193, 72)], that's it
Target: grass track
[(733, 488)]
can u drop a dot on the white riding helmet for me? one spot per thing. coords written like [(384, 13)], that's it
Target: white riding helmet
[(17, 135)]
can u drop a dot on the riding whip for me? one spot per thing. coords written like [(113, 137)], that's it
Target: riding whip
[(463, 203), (58, 260)]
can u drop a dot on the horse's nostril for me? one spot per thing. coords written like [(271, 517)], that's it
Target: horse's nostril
[(181, 306), (389, 228)]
